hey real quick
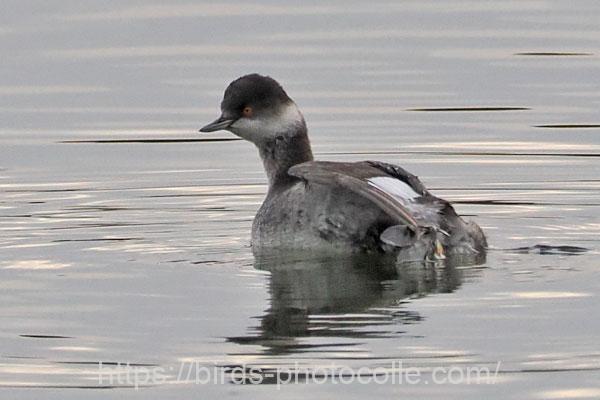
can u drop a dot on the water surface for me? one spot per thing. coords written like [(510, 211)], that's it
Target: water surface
[(124, 233)]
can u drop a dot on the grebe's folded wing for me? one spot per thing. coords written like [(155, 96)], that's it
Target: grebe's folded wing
[(357, 178)]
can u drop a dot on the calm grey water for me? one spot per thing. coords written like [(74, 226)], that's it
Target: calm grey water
[(137, 252)]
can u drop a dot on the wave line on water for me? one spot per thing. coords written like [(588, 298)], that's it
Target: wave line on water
[(468, 109), (568, 126), (115, 141), (553, 54)]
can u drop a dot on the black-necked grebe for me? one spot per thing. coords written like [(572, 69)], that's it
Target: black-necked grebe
[(366, 206)]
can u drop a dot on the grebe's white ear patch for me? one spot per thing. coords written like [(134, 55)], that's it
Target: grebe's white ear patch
[(259, 127), (394, 187)]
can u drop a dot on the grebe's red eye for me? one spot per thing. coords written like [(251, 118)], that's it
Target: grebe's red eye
[(247, 112)]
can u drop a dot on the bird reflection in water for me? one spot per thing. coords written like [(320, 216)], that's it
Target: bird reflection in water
[(354, 296)]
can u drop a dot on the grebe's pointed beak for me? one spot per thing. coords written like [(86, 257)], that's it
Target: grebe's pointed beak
[(217, 125)]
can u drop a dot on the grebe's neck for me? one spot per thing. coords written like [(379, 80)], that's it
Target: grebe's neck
[(285, 146)]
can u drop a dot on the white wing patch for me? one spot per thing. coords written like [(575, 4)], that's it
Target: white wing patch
[(394, 187)]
